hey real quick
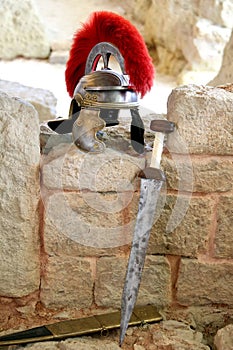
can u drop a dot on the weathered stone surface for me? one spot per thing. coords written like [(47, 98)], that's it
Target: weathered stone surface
[(19, 197), (204, 118), (66, 167), (74, 344), (191, 228), (155, 286), (198, 28), (89, 223), (43, 100), (225, 74), (176, 335), (67, 282), (207, 319), (224, 231), (213, 283), (223, 340), (22, 31), (201, 174)]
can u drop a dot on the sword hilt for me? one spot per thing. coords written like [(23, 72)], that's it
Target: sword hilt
[(162, 127)]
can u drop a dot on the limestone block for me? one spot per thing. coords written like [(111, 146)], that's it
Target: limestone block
[(155, 286), (201, 174), (19, 197), (204, 119), (225, 74), (67, 282), (203, 283), (191, 226), (223, 340), (224, 231), (43, 100), (66, 167), (22, 31), (89, 223)]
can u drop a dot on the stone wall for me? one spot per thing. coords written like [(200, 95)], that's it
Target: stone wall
[(64, 253)]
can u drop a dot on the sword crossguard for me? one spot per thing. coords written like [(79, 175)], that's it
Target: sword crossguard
[(152, 173), (162, 125)]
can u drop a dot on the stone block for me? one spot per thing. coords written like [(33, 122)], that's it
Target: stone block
[(89, 223), (66, 167), (224, 230), (223, 340), (155, 286), (19, 198), (204, 119), (67, 282), (191, 222), (202, 283), (200, 174), (22, 31), (43, 100)]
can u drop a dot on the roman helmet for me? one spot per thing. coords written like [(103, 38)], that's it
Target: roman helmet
[(99, 92)]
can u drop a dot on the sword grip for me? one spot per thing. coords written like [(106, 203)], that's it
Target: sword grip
[(157, 150), (162, 127)]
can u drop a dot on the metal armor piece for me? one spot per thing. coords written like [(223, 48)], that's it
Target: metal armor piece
[(84, 131), (106, 91)]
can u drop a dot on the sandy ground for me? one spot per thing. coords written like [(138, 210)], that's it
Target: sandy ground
[(62, 19)]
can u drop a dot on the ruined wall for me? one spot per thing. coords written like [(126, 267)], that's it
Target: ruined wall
[(65, 251), (187, 35)]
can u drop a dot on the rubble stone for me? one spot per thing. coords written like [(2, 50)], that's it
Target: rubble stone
[(223, 340)]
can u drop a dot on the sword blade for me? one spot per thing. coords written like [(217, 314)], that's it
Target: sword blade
[(149, 193)]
